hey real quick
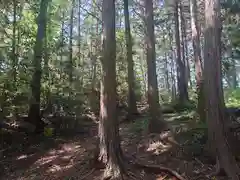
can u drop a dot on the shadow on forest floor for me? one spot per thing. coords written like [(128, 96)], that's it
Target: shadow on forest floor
[(68, 158)]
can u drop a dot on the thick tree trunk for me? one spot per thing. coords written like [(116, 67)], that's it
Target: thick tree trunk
[(109, 145), (156, 123), (181, 77), (214, 92), (132, 107), (197, 58), (34, 109)]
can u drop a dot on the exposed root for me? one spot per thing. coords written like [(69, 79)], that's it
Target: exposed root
[(114, 173), (158, 169)]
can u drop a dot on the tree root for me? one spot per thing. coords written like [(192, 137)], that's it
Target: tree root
[(136, 164), (158, 169)]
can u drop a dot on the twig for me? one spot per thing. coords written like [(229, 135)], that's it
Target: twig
[(156, 169), (196, 159)]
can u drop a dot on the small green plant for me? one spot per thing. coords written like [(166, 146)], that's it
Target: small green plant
[(232, 97), (140, 125), (48, 131)]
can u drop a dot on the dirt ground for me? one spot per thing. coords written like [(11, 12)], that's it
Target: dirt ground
[(64, 158)]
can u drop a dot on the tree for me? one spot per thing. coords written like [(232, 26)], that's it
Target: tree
[(131, 80), (156, 123), (34, 109), (197, 57), (110, 151), (214, 100), (184, 43), (14, 56), (70, 65), (181, 77)]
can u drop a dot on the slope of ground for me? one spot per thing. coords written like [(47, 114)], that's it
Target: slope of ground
[(33, 158)]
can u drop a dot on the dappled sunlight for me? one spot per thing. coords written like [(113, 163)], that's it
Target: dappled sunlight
[(24, 156), (158, 147), (45, 160), (61, 160), (57, 168)]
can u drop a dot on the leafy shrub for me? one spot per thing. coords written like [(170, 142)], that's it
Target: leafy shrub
[(232, 97)]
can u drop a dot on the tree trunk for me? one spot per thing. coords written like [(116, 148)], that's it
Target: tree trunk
[(34, 109), (181, 77), (156, 123), (46, 72), (185, 46), (62, 46), (197, 58), (172, 56), (143, 72), (70, 66), (110, 151), (79, 32), (167, 84), (14, 55), (166, 72), (132, 107), (214, 91)]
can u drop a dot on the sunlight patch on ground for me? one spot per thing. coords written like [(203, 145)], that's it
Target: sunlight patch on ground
[(45, 160), (67, 157), (24, 156), (56, 168), (157, 147)]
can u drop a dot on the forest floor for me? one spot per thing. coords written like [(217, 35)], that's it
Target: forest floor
[(60, 158)]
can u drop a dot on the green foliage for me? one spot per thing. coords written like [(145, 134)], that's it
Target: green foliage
[(185, 106), (232, 97), (140, 125)]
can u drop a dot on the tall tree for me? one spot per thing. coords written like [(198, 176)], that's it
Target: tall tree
[(70, 65), (156, 122), (79, 31), (185, 55), (214, 91), (181, 77), (132, 107), (110, 151), (14, 55), (34, 109), (197, 57)]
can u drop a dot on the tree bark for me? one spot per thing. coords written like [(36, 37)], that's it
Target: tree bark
[(79, 32), (181, 77), (156, 122), (132, 107), (34, 109), (14, 55), (172, 56), (62, 46), (185, 45), (214, 91), (197, 58), (70, 66), (109, 141)]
